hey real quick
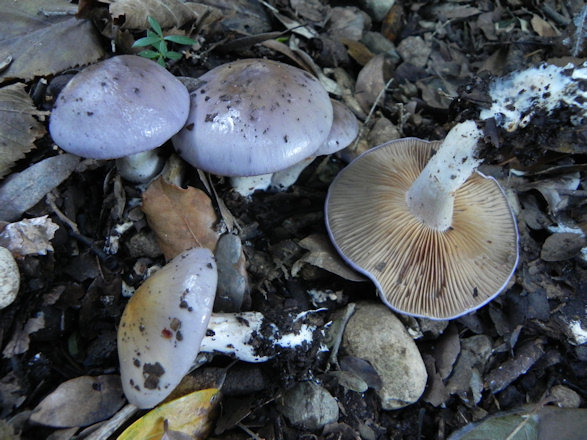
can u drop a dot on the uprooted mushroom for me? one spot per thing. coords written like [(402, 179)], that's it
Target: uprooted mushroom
[(438, 238), (169, 320)]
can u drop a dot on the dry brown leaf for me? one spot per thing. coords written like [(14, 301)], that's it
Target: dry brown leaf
[(23, 190), (81, 401), (371, 81), (323, 255), (44, 44), (180, 218), (18, 126), (29, 236), (19, 343), (542, 27), (133, 13)]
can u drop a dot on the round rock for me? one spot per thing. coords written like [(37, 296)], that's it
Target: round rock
[(309, 406), (376, 335), (9, 278), (252, 117)]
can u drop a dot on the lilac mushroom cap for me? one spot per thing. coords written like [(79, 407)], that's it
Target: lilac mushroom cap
[(163, 325), (252, 117), (343, 131), (118, 107)]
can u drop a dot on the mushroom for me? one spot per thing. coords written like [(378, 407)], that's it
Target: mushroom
[(437, 237), (169, 320), (121, 108), (343, 131), (254, 117)]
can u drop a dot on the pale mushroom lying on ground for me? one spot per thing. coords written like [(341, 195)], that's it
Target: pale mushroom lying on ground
[(169, 320), (437, 238), (121, 108), (254, 117)]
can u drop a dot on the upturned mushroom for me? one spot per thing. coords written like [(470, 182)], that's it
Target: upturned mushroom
[(169, 320), (121, 108), (254, 117), (437, 238)]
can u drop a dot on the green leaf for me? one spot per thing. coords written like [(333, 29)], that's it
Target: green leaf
[(155, 26), (161, 47), (172, 55), (151, 54), (146, 41), (161, 62), (180, 39)]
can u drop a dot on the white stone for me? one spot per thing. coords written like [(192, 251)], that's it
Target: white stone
[(9, 278), (376, 335)]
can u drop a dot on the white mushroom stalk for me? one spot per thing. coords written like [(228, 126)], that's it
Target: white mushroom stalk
[(431, 196), (250, 337), (515, 99)]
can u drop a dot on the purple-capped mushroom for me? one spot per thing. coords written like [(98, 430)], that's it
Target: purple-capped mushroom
[(343, 131), (117, 108), (254, 117)]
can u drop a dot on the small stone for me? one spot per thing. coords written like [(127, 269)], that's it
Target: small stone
[(376, 335), (232, 276), (309, 406), (377, 9), (414, 50), (9, 278), (377, 44), (564, 397)]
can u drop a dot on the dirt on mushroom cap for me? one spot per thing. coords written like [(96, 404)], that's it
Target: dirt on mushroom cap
[(254, 116)]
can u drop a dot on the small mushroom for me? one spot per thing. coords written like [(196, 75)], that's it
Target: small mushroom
[(343, 131), (437, 238), (169, 320), (117, 108), (254, 117)]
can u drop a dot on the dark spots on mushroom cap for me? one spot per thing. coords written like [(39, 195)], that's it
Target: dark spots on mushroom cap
[(136, 90), (210, 266), (175, 324), (179, 335), (475, 292), (210, 333), (152, 373), (89, 113), (166, 333), (285, 138), (136, 362), (210, 117)]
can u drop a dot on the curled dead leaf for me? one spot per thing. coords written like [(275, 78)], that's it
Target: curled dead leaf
[(180, 218)]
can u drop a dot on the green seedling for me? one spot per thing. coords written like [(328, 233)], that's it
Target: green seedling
[(159, 42)]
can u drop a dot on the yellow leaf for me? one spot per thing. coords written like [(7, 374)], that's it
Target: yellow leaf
[(191, 414)]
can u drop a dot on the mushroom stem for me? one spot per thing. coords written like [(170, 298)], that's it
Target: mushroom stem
[(250, 337), (140, 167), (247, 185), (431, 196)]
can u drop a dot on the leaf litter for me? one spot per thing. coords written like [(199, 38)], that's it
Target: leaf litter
[(527, 342)]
